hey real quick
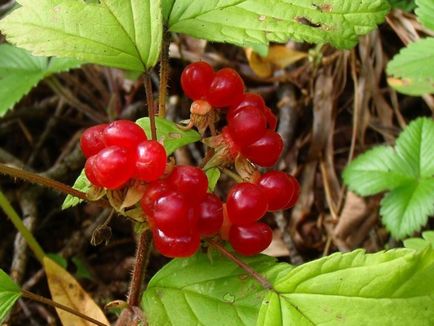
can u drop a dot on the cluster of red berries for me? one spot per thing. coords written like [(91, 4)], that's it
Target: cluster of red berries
[(120, 151), (251, 124)]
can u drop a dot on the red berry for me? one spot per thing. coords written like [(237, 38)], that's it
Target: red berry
[(113, 167), (196, 79), (250, 99), (226, 225), (271, 118), (279, 189), (210, 215), (251, 239), (124, 133), (181, 246), (151, 160), (296, 193), (89, 170), (226, 88), (266, 150), (189, 181), (152, 192), (91, 140), (246, 203), (246, 124)]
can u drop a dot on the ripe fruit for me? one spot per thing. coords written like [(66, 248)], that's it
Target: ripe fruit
[(246, 124), (296, 193), (91, 140), (250, 99), (250, 239), (226, 88), (210, 215), (113, 167), (89, 169), (266, 150), (196, 79), (279, 189), (152, 192), (123, 133), (246, 203), (151, 160), (181, 246), (189, 181)]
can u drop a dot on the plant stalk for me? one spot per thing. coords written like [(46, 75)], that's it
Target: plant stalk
[(164, 73), (150, 102)]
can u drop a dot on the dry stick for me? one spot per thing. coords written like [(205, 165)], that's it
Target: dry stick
[(164, 73), (254, 274), (43, 300)]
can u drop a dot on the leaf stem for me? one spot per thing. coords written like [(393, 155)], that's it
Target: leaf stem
[(19, 225), (43, 300), (164, 73), (150, 103), (254, 274), (232, 175)]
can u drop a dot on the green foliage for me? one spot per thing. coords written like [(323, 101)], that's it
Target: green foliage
[(213, 176), (169, 134), (82, 184), (406, 5), (425, 13), (420, 244), (20, 72), (9, 294), (116, 33), (407, 171), (255, 23)]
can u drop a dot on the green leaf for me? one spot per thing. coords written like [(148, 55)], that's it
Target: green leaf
[(421, 244), (425, 12), (20, 72), (169, 133), (116, 33), (204, 291), (81, 269), (406, 5), (388, 288), (213, 176), (413, 68), (9, 294), (82, 184), (407, 171), (257, 22), (58, 259)]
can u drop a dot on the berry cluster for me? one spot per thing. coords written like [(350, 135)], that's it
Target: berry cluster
[(120, 151), (251, 124), (180, 211)]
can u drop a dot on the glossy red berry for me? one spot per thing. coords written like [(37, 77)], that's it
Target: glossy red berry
[(180, 246), (91, 140), (246, 124), (271, 118), (210, 215), (196, 79), (153, 191), (246, 203), (279, 189), (250, 99), (250, 239), (151, 160), (296, 192), (89, 169), (113, 167), (124, 133), (189, 181), (226, 88), (266, 150)]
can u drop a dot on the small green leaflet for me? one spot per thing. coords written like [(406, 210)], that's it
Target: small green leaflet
[(82, 184), (407, 171), (203, 290), (251, 23), (425, 13), (168, 132), (406, 5), (9, 294), (213, 176), (118, 33), (420, 244), (20, 72), (412, 70), (387, 288)]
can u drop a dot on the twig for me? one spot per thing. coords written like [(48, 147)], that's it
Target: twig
[(164, 73), (150, 103)]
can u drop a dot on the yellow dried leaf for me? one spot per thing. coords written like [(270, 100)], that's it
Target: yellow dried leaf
[(66, 290)]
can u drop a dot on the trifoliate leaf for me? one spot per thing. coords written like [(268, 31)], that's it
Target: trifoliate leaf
[(20, 72), (406, 170), (82, 184), (9, 294), (425, 12), (421, 243), (118, 33), (388, 288), (250, 23)]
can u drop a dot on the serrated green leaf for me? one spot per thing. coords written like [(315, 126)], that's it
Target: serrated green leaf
[(388, 288), (116, 33), (250, 23), (425, 12), (406, 5), (413, 67), (213, 176), (9, 294), (169, 133), (420, 243), (406, 209), (20, 72), (82, 184), (204, 291)]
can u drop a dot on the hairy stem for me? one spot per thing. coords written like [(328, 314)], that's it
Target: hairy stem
[(150, 103), (43, 300), (164, 74), (19, 225), (249, 270)]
